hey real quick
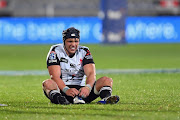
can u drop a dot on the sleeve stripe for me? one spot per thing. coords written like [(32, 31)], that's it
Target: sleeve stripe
[(87, 61)]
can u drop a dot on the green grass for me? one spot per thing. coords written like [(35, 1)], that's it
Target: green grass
[(143, 96), (31, 57)]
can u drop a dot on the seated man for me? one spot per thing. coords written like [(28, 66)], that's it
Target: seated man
[(72, 71)]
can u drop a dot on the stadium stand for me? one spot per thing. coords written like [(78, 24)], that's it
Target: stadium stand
[(84, 7), (153, 7), (141, 8), (51, 8)]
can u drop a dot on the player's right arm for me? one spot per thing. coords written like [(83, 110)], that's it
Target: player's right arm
[(55, 73)]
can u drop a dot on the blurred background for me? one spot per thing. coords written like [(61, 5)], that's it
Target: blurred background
[(134, 42), (100, 21)]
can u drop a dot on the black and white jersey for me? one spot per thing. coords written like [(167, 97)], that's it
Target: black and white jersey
[(72, 72)]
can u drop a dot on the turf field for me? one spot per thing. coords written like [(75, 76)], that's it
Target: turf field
[(142, 96)]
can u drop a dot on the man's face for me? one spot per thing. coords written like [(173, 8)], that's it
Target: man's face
[(71, 45)]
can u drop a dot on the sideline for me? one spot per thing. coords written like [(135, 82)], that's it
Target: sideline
[(98, 71)]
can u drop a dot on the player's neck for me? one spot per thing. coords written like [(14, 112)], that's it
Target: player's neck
[(69, 54)]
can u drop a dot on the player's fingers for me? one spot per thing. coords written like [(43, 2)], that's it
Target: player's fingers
[(81, 93), (75, 91), (84, 94), (72, 94)]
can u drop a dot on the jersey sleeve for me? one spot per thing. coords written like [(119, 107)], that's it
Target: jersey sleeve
[(88, 57), (52, 58)]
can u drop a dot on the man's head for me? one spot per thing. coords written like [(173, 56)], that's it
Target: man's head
[(71, 40), (70, 33)]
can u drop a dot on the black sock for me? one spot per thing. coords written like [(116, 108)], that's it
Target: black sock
[(57, 98), (105, 92), (54, 95)]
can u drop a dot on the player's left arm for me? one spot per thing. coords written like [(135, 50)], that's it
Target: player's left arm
[(90, 72)]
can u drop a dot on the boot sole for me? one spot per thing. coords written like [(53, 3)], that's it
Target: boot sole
[(112, 100)]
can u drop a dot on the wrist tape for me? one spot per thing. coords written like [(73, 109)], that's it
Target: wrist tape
[(65, 89), (89, 87)]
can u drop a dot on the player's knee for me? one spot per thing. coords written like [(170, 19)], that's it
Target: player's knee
[(107, 81), (103, 81), (45, 83), (49, 84)]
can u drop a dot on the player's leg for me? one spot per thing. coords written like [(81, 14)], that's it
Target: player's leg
[(96, 91), (74, 100), (92, 96), (104, 90), (52, 92), (104, 86)]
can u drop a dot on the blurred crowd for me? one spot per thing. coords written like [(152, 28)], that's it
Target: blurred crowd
[(84, 7)]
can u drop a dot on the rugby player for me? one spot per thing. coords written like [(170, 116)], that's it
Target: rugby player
[(72, 74)]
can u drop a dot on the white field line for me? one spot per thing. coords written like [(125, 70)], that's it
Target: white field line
[(99, 71), (3, 105)]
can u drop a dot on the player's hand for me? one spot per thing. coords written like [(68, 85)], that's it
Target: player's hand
[(84, 92), (72, 92)]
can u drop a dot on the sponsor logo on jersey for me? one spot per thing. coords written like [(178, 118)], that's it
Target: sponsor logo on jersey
[(52, 61), (52, 55), (64, 60), (72, 65)]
